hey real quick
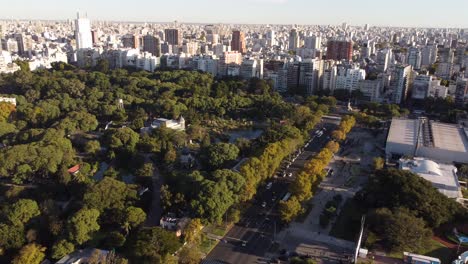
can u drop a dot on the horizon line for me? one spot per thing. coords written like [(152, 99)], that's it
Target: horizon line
[(231, 23)]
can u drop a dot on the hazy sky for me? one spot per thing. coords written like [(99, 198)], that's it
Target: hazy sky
[(433, 13)]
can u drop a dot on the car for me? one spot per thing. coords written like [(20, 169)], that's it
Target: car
[(290, 174), (264, 204), (244, 243), (268, 186)]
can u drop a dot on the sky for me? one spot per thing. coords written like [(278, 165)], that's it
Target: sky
[(408, 13)]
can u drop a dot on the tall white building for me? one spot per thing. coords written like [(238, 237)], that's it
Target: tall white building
[(421, 86), (353, 76), (84, 39), (329, 78)]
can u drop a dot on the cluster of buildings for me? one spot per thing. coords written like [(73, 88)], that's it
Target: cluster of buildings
[(430, 149), (388, 65)]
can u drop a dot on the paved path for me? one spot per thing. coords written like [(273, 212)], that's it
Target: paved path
[(155, 212)]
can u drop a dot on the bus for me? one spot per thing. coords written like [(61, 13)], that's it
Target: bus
[(286, 197)]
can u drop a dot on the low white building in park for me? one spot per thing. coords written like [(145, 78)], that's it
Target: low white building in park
[(442, 176)]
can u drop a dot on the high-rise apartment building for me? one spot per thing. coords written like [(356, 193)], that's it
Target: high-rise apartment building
[(339, 50), (94, 36), (152, 45), (461, 91), (421, 86), (238, 41), (312, 42), (428, 55), (293, 39), (271, 37), (414, 57), (84, 39), (173, 36), (24, 44), (131, 41), (329, 78), (293, 70), (310, 72), (400, 83)]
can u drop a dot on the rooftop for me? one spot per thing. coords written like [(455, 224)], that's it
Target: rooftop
[(403, 131), (433, 134), (449, 136), (442, 176)]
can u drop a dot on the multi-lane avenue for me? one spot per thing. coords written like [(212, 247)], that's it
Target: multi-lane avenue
[(249, 239)]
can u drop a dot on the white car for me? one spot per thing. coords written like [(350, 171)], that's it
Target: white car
[(268, 186), (290, 174), (264, 204)]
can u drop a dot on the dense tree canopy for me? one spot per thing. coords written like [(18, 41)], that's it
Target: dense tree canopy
[(109, 193), (30, 254), (220, 153), (153, 244), (67, 116), (398, 188), (82, 225)]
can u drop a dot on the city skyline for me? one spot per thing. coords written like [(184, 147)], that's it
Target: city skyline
[(399, 14)]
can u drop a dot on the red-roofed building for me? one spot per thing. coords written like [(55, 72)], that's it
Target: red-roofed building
[(75, 169)]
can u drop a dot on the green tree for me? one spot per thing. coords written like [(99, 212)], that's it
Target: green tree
[(92, 147), (405, 232), (22, 211), (302, 187), (30, 254), (289, 209), (12, 236), (192, 231), (166, 197), (190, 255), (153, 244), (134, 216), (392, 188), (333, 146), (146, 170), (114, 240), (109, 193), (170, 155), (220, 153), (5, 111), (124, 138), (378, 163), (82, 225), (212, 201), (62, 248)]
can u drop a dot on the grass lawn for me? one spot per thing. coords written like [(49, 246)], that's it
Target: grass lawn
[(433, 249), (302, 217), (348, 223), (437, 250), (207, 245), (218, 230)]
